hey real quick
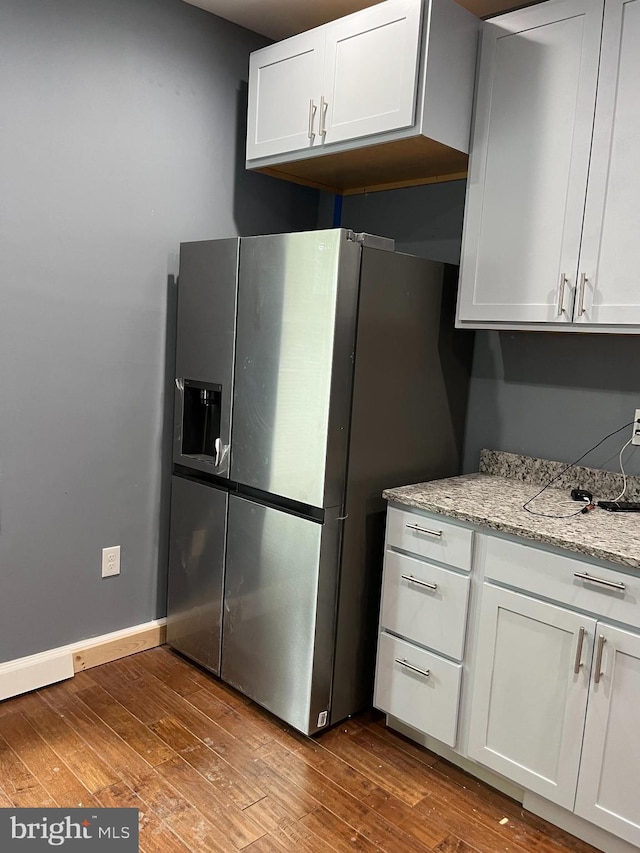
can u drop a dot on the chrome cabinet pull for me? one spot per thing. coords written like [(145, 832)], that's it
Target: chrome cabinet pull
[(312, 113), (411, 579), (583, 281), (419, 529), (563, 284), (324, 105), (598, 673), (413, 668), (578, 661), (602, 581)]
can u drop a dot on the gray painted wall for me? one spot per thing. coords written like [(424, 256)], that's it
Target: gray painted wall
[(122, 135), (540, 394)]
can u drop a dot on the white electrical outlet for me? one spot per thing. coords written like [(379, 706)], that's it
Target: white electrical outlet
[(635, 434), (110, 561)]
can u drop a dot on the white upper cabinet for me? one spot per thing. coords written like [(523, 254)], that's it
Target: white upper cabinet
[(608, 289), (370, 72), (529, 163), (550, 218), (284, 82), (396, 78)]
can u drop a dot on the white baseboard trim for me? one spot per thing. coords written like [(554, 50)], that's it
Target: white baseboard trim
[(29, 673)]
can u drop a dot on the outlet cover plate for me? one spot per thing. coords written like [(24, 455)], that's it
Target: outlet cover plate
[(110, 561), (635, 435)]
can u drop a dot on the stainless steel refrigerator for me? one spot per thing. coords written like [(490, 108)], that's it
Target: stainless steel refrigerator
[(312, 371)]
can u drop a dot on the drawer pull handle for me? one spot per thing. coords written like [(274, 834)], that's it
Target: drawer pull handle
[(419, 529), (598, 667), (413, 668), (592, 579), (578, 661), (411, 579)]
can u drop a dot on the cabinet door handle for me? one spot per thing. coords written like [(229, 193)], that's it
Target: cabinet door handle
[(413, 668), (411, 579), (563, 285), (312, 113), (324, 105), (419, 529), (602, 581), (578, 661), (583, 281), (598, 673)]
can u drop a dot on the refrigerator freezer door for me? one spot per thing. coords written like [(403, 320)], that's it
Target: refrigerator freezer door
[(279, 611), (207, 296), (297, 304), (196, 570)]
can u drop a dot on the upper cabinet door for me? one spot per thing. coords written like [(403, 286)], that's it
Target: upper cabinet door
[(285, 84), (371, 69), (608, 284), (529, 163)]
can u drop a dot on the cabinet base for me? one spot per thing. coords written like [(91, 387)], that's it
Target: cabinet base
[(545, 809), (570, 822), (484, 774)]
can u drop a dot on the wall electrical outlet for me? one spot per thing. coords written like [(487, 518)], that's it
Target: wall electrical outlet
[(110, 561), (635, 435)]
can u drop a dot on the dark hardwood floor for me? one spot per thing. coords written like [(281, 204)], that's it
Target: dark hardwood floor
[(210, 771)]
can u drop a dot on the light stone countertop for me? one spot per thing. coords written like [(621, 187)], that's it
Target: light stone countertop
[(496, 502)]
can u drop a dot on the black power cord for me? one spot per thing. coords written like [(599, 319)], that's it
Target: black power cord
[(525, 505)]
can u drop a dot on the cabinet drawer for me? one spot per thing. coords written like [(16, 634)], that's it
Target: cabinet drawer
[(411, 606), (555, 577), (430, 537), (426, 700)]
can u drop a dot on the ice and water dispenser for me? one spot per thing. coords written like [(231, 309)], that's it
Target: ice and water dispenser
[(199, 416)]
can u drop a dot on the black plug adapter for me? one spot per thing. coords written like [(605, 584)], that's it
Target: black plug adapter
[(581, 495)]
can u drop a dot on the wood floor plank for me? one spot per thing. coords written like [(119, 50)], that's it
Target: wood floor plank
[(77, 754), (294, 835), (229, 785), (451, 844), (180, 679), (131, 695), (268, 812), (362, 819), (46, 766), (429, 832), (267, 844), (333, 767), (232, 721), (335, 833), (155, 836), (18, 784), (114, 750), (387, 767), (232, 824), (138, 736)]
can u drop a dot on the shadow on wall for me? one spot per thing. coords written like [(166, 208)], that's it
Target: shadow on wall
[(266, 205), (166, 445), (553, 395)]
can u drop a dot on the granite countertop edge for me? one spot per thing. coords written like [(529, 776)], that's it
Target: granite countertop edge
[(441, 496)]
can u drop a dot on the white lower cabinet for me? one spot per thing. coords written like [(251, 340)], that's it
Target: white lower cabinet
[(524, 659), (530, 692), (609, 781), (555, 705)]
